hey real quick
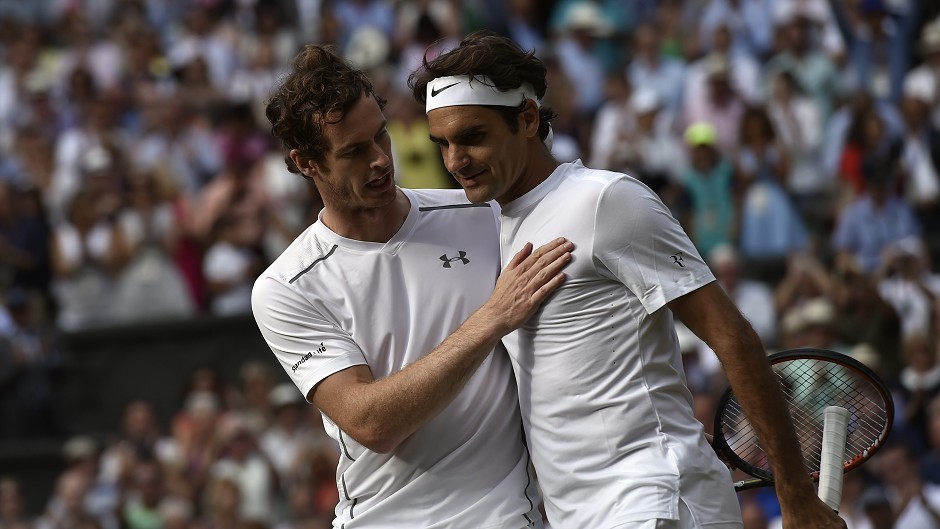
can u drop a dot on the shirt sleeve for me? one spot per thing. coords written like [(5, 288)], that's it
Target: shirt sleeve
[(640, 243), (308, 345)]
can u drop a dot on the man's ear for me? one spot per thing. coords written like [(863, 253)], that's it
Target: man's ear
[(530, 119), (306, 166)]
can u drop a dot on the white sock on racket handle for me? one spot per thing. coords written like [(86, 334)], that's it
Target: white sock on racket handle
[(832, 458)]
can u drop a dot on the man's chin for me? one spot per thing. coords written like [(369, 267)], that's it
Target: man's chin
[(477, 195)]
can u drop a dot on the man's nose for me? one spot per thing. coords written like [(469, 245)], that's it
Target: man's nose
[(455, 159)]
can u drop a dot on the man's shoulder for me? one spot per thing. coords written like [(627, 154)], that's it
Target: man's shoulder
[(305, 252), (581, 179), (578, 173), (440, 199)]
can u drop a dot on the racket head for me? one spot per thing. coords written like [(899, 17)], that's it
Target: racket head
[(810, 379)]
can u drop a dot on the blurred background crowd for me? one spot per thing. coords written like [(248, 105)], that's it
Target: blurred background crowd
[(798, 141)]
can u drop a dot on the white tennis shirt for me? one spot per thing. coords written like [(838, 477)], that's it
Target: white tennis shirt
[(602, 390), (329, 303)]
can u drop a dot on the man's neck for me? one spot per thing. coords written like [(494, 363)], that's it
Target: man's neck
[(541, 167), (369, 225)]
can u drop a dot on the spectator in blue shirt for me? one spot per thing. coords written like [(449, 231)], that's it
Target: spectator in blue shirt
[(875, 219)]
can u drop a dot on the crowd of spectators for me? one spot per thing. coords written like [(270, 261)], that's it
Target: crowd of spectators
[(798, 142)]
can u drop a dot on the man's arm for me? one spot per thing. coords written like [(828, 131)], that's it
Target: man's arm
[(380, 414), (713, 317)]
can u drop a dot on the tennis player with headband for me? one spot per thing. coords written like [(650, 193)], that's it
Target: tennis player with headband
[(604, 401)]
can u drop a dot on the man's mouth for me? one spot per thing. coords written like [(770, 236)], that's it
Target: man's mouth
[(463, 177), (381, 181)]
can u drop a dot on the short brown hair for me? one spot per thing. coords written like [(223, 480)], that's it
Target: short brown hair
[(320, 83), (484, 53)]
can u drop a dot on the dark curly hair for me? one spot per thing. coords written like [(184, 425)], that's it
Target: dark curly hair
[(320, 84), (485, 53)]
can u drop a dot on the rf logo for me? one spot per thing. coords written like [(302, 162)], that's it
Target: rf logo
[(677, 259), (461, 256)]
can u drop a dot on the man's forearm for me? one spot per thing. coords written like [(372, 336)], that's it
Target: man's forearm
[(757, 389), (390, 409)]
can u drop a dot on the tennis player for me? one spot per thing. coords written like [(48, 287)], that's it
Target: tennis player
[(604, 401), (384, 314)]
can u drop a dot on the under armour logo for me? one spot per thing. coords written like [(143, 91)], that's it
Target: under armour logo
[(461, 256), (677, 259)]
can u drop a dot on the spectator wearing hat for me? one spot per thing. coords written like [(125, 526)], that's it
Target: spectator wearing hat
[(709, 182), (583, 26), (815, 325)]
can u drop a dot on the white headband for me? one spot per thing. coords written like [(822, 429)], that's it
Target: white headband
[(462, 90)]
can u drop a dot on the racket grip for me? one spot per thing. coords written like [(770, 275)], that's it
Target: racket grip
[(832, 458)]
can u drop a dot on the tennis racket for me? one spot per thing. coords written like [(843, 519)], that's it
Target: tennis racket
[(812, 380)]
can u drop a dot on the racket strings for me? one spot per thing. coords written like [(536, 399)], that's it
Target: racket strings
[(809, 386)]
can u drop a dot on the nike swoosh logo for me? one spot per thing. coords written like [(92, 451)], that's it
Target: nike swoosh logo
[(435, 91)]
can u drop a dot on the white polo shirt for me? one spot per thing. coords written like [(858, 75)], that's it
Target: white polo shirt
[(328, 303), (601, 385)]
